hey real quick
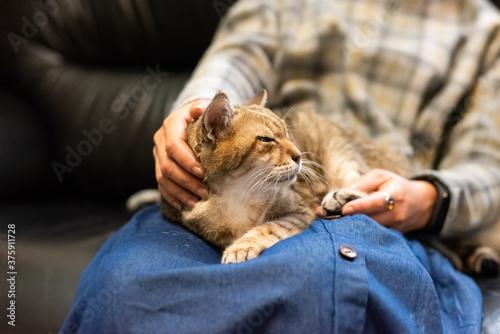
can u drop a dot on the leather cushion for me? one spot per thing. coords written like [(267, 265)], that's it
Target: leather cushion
[(132, 32)]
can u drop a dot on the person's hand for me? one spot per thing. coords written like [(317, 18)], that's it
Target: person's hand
[(178, 172), (413, 200)]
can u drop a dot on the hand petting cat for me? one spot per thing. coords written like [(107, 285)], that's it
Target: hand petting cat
[(413, 200), (178, 172)]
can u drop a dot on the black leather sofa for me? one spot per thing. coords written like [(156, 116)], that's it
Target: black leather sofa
[(83, 87)]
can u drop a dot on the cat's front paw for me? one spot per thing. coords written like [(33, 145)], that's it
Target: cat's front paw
[(241, 251), (336, 199)]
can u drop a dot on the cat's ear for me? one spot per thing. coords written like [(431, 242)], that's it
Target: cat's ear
[(260, 99), (217, 116)]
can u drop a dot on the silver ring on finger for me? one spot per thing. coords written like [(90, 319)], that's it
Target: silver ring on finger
[(389, 201)]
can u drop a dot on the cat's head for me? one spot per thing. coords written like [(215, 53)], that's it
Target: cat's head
[(248, 144)]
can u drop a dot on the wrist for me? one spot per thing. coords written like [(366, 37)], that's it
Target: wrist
[(429, 196), (435, 223)]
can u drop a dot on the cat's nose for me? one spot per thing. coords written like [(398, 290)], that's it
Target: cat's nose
[(296, 158)]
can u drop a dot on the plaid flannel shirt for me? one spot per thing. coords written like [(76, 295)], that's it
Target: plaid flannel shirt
[(421, 77)]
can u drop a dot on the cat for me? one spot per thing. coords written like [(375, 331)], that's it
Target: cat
[(267, 174), (262, 187)]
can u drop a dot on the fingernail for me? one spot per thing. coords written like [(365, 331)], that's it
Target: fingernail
[(198, 171), (196, 106), (203, 193), (191, 203)]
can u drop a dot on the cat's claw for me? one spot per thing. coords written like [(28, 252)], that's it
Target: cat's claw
[(236, 253), (335, 200)]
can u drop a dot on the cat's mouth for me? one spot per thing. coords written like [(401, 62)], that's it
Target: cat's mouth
[(290, 175), (289, 178)]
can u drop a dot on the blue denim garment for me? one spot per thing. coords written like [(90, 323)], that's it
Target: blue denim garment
[(155, 277)]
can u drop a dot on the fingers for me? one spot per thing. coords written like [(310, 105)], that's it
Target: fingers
[(176, 195), (413, 205), (169, 198), (172, 138), (319, 211), (375, 207), (180, 153), (176, 185), (198, 108), (369, 205), (379, 183), (171, 171), (178, 171), (372, 180)]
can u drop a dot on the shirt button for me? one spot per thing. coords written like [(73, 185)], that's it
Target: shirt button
[(347, 253)]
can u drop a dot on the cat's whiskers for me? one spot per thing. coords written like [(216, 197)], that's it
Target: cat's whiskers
[(258, 174), (317, 165), (257, 187), (255, 176), (312, 161), (277, 179), (289, 112), (265, 180), (311, 176), (276, 187), (306, 174), (307, 169), (290, 128), (284, 174), (311, 173), (260, 182)]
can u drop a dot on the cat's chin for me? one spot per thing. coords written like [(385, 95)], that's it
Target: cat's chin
[(287, 181)]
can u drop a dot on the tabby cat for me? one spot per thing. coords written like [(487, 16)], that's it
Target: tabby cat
[(268, 174)]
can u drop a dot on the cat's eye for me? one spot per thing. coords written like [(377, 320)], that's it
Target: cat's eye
[(265, 139)]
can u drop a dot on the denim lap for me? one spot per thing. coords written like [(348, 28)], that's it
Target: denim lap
[(154, 276)]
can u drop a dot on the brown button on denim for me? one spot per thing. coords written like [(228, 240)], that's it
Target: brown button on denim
[(347, 253)]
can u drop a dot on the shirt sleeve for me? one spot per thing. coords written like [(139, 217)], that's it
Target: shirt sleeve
[(470, 162), (239, 60)]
